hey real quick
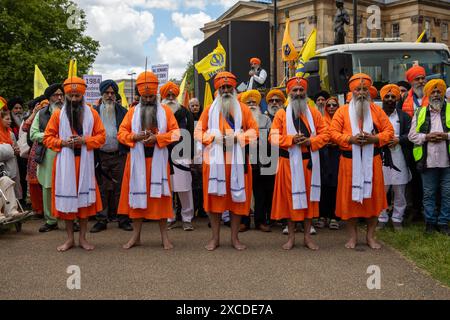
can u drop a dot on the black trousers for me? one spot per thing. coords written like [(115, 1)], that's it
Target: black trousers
[(327, 204), (262, 192), (197, 189)]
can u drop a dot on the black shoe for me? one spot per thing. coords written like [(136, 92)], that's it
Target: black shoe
[(443, 228), (430, 228), (48, 227), (76, 226), (126, 226), (99, 226)]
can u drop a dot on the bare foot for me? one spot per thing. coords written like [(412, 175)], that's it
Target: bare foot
[(288, 245), (351, 244), (167, 245), (212, 245), (373, 244), (311, 245), (132, 243), (86, 245), (239, 246), (66, 246)]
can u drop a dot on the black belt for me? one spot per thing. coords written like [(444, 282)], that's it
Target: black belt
[(349, 155), (113, 153), (149, 151), (77, 152), (285, 154)]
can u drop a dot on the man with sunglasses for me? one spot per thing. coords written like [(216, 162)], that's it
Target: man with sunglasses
[(275, 101)]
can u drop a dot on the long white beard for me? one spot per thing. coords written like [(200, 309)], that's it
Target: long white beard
[(299, 106), (418, 90), (362, 107), (256, 112), (226, 103), (173, 105), (110, 111)]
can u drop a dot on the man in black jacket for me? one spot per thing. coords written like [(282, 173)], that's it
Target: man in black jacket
[(110, 158), (397, 156)]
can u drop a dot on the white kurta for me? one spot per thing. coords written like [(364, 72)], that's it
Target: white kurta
[(391, 176)]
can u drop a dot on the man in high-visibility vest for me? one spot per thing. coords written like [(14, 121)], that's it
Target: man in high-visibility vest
[(429, 132)]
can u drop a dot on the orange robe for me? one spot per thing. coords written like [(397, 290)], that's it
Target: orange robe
[(340, 132), (219, 204), (282, 206), (95, 141), (157, 208)]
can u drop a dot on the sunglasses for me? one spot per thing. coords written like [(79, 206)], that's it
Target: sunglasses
[(275, 100), (251, 102)]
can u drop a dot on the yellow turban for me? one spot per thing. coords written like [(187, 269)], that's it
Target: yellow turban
[(251, 94), (392, 88), (435, 83), (276, 92)]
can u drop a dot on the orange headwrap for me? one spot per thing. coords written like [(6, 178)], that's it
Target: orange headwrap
[(169, 87), (414, 72), (276, 92), (296, 81), (435, 83), (74, 85), (255, 60), (358, 80), (223, 78), (373, 92), (3, 102), (251, 94), (147, 83), (392, 88)]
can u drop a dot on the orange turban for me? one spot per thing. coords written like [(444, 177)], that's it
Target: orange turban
[(296, 81), (223, 78), (147, 83), (276, 92), (358, 80), (251, 94), (373, 92), (74, 85), (169, 87), (3, 102), (435, 83), (414, 72), (255, 60), (392, 88)]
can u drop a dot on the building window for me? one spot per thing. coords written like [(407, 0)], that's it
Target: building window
[(378, 33), (301, 31), (396, 30), (444, 31), (428, 28)]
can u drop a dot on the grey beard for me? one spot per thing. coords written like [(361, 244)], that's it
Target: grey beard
[(148, 117), (418, 90), (17, 119), (55, 105), (110, 111), (173, 105), (256, 112), (299, 106), (226, 102), (321, 108), (362, 107), (436, 104), (272, 110)]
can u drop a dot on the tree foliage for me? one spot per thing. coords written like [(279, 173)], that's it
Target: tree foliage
[(36, 32), (190, 76)]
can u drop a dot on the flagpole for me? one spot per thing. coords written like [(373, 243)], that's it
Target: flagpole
[(275, 30)]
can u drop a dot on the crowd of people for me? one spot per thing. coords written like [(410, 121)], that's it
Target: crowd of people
[(317, 162)]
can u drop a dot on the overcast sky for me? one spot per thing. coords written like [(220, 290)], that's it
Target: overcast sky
[(163, 30)]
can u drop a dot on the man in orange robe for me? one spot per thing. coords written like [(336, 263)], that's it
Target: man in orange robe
[(416, 97), (225, 128), (147, 129), (360, 129), (300, 132), (74, 132)]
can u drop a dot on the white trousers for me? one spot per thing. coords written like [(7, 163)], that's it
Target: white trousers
[(399, 204), (187, 206)]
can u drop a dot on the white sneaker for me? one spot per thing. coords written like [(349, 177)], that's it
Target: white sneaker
[(313, 230), (285, 230)]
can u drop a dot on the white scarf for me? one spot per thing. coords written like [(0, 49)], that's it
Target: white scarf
[(298, 185), (362, 164), (217, 183), (68, 198), (159, 184)]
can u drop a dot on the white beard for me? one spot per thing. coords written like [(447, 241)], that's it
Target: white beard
[(272, 110), (418, 91), (173, 105), (362, 107), (436, 104), (110, 111), (256, 112), (226, 104), (299, 106)]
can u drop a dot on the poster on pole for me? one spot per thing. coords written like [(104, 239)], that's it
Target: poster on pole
[(92, 94), (162, 72)]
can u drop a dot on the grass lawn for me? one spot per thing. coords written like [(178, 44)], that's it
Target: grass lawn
[(429, 252)]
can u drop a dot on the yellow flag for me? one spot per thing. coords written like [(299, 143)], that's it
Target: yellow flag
[(40, 84), (288, 49), (213, 63), (208, 98), (121, 86), (72, 68), (1, 104), (308, 51), (182, 88), (419, 39)]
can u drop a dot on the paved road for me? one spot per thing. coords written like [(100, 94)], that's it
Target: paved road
[(31, 268)]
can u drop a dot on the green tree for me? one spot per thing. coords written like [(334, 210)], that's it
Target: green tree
[(36, 32), (190, 76)]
